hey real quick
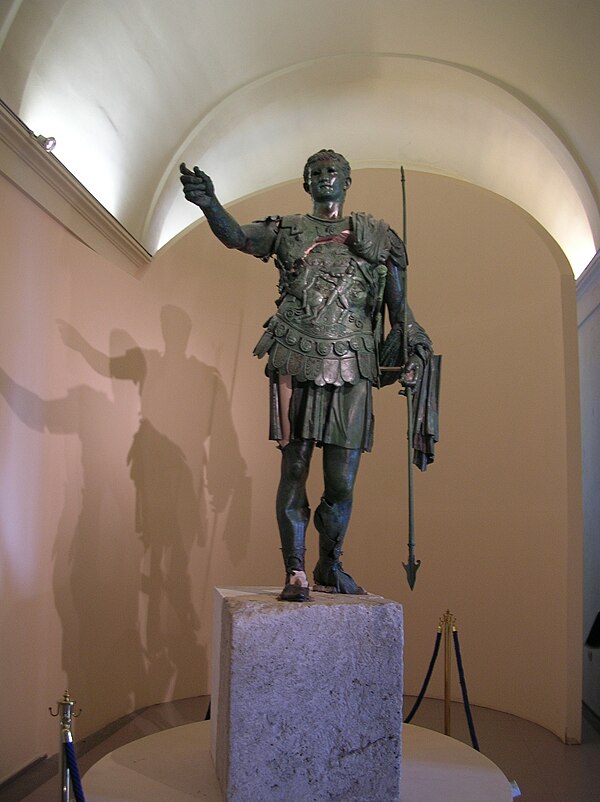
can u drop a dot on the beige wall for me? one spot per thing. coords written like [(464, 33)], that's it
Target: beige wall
[(588, 309), (106, 581)]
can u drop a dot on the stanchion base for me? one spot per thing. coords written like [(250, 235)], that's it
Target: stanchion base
[(175, 765)]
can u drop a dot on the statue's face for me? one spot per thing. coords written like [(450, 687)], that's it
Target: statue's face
[(327, 182)]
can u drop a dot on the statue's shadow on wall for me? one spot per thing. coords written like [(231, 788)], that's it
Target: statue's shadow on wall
[(122, 561)]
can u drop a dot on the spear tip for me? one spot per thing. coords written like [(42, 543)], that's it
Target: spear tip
[(411, 568)]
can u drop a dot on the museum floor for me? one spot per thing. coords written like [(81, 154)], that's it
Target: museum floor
[(545, 769)]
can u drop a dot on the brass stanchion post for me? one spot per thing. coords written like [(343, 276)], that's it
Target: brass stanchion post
[(447, 624), (65, 712)]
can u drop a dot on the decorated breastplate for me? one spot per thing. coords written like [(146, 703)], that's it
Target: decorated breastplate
[(322, 331)]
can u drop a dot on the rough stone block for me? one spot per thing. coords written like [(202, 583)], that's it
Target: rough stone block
[(307, 698)]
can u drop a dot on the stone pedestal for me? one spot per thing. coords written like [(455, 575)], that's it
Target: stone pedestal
[(307, 698)]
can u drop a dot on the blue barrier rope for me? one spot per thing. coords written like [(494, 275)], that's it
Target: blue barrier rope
[(74, 771), (463, 685), (423, 690)]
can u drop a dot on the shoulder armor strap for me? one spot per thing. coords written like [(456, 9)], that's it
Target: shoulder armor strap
[(293, 223), (371, 237), (289, 225), (269, 228)]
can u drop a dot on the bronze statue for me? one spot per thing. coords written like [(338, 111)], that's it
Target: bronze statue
[(325, 350)]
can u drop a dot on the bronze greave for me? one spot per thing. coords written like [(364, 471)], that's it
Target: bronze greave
[(293, 512)]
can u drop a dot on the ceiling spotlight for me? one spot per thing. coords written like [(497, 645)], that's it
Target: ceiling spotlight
[(47, 142)]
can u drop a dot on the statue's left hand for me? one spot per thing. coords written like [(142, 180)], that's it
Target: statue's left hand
[(411, 372)]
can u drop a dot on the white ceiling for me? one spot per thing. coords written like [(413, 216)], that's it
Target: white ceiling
[(501, 93)]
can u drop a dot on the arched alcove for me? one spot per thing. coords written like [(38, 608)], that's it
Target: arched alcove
[(384, 110)]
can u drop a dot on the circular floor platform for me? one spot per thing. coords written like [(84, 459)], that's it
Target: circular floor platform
[(175, 766)]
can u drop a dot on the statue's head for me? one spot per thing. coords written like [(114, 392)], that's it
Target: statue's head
[(327, 157)]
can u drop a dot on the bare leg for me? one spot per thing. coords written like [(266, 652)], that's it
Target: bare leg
[(284, 385), (332, 516)]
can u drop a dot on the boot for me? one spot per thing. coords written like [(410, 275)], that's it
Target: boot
[(331, 521)]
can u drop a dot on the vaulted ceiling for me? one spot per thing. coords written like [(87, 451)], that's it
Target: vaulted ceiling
[(500, 93)]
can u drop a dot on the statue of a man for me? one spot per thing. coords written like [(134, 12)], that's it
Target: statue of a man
[(336, 273)]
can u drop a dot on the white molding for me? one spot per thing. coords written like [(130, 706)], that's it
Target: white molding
[(42, 177), (588, 290)]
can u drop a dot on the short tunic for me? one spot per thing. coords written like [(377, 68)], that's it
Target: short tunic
[(336, 415)]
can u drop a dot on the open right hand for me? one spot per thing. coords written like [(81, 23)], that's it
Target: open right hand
[(197, 186)]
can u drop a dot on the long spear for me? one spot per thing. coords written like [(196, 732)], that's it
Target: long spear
[(412, 566)]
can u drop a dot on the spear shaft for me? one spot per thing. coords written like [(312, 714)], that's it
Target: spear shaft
[(412, 566)]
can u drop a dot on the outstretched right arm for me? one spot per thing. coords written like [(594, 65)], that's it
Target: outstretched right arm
[(198, 189)]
